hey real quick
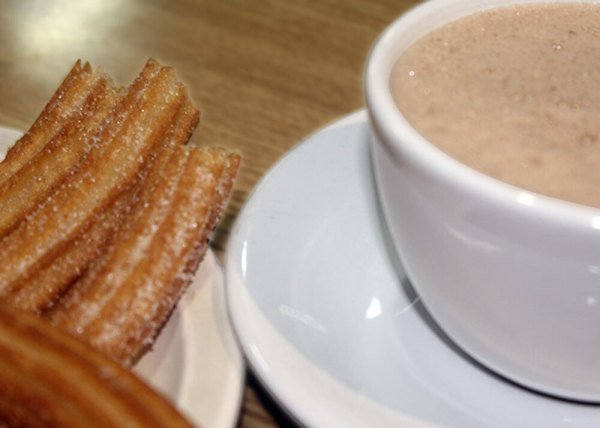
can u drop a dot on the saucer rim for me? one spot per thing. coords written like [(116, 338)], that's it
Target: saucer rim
[(240, 303), (345, 403)]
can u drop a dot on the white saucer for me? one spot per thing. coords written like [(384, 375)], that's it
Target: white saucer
[(328, 320), (195, 361)]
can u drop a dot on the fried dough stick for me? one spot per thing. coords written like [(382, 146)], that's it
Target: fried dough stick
[(58, 159), (138, 125), (124, 299), (42, 289), (49, 378), (66, 101)]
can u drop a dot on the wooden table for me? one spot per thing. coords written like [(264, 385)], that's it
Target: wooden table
[(265, 73)]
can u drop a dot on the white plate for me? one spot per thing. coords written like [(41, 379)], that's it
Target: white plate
[(195, 361), (330, 323)]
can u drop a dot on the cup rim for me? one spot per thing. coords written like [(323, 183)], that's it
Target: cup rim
[(402, 140)]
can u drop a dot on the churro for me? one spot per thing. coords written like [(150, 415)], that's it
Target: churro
[(106, 245), (59, 158), (65, 103), (120, 305), (40, 290), (49, 378), (138, 124)]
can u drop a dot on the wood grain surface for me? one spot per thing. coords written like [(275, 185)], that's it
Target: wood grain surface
[(264, 73)]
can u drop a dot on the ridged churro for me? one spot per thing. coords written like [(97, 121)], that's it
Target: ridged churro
[(49, 378), (66, 101), (105, 244), (120, 304), (43, 287), (59, 158), (138, 125)]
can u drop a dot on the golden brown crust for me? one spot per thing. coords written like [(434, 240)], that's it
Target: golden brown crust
[(123, 254), (138, 125), (122, 302), (43, 287), (65, 102), (48, 378), (59, 158)]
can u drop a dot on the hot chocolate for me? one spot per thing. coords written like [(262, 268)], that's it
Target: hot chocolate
[(513, 92)]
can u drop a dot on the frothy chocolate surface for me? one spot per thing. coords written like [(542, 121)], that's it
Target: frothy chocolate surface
[(513, 92)]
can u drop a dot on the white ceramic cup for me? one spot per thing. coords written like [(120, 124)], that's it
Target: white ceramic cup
[(511, 276)]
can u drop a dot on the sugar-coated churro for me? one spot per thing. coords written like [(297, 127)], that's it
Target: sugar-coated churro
[(139, 123), (105, 245), (60, 157), (120, 304), (65, 102), (44, 286)]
